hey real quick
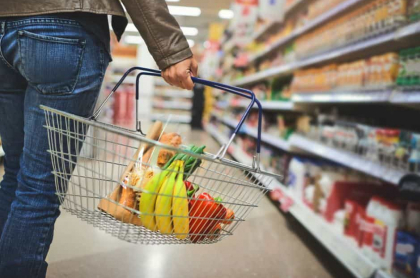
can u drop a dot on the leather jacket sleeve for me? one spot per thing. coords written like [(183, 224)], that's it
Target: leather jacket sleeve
[(160, 31)]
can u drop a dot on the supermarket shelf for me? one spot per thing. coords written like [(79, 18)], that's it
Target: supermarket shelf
[(399, 34), (353, 259), (182, 119), (347, 159), (175, 105), (314, 23), (405, 97), (174, 93), (1, 151), (239, 155), (346, 97), (266, 138), (332, 239), (263, 30)]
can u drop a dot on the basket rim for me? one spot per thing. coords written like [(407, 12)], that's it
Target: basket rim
[(132, 135)]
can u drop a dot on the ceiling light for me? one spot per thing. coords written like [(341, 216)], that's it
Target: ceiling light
[(226, 14), (191, 43), (133, 40), (189, 31), (185, 11), (172, 0)]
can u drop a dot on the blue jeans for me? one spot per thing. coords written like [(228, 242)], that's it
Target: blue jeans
[(44, 60)]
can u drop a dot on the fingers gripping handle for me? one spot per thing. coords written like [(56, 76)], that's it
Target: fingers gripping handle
[(230, 89)]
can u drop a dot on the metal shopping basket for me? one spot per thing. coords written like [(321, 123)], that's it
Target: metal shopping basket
[(91, 186)]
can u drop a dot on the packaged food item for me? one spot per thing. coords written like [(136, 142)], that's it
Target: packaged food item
[(406, 253), (296, 176)]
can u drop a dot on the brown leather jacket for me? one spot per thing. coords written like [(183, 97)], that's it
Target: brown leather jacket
[(158, 28)]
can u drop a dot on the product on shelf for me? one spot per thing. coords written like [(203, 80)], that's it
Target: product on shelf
[(391, 147), (409, 75), (407, 254), (378, 72), (371, 19), (414, 10)]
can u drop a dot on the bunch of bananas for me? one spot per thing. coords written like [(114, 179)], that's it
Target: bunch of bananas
[(164, 202)]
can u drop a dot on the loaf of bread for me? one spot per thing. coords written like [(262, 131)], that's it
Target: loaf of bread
[(172, 139)]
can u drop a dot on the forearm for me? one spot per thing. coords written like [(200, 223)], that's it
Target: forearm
[(160, 31)]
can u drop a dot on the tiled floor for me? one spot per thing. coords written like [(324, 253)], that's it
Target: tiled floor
[(269, 244)]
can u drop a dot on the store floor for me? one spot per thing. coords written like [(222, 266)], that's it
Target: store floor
[(269, 244)]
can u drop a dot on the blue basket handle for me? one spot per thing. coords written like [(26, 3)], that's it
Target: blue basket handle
[(234, 90)]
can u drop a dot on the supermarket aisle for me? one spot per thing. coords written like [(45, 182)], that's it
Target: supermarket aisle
[(267, 245)]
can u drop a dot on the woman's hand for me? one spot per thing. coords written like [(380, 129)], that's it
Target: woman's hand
[(180, 74)]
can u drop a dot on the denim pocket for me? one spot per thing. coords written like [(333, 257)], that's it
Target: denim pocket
[(51, 64)]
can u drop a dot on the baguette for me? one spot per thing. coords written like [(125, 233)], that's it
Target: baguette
[(122, 197)]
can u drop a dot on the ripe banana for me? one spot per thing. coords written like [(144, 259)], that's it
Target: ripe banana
[(149, 196), (180, 206), (163, 208)]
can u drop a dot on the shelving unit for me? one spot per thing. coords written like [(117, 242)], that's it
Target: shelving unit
[(298, 143), (312, 24), (399, 34), (348, 159), (388, 161), (353, 258), (266, 138), (343, 97)]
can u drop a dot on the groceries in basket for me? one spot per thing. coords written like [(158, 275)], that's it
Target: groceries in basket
[(155, 193)]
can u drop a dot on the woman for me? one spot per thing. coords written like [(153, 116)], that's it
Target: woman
[(55, 53)]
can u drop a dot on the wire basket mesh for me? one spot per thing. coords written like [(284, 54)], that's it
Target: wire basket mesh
[(108, 176), (83, 182)]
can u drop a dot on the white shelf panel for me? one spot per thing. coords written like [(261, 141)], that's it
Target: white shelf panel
[(182, 119), (314, 23), (401, 33), (352, 258), (405, 97), (175, 105), (1, 151), (338, 97), (347, 159), (174, 93)]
